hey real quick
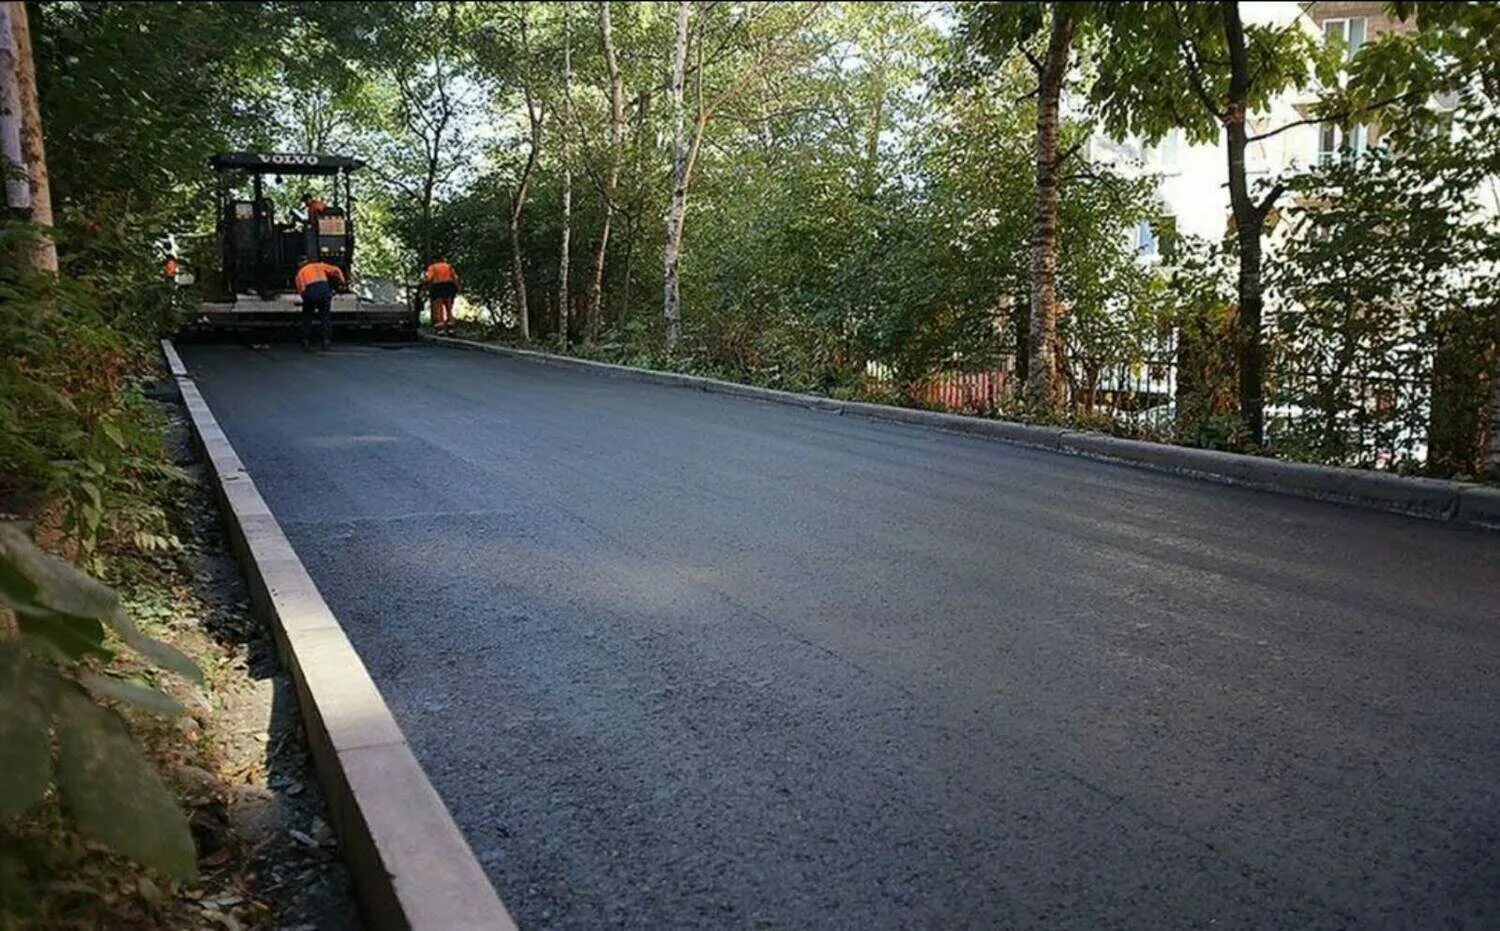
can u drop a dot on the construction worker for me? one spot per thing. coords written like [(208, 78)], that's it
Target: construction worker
[(317, 295), (169, 271), (314, 205), (442, 284)]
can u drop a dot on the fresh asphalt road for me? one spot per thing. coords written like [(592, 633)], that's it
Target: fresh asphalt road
[(676, 659)]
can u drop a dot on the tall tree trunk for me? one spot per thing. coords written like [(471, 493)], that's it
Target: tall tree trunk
[(1043, 386), (518, 204), (628, 272), (33, 148), (642, 147), (17, 188), (611, 173), (1490, 467), (677, 212), (1249, 219), (567, 186)]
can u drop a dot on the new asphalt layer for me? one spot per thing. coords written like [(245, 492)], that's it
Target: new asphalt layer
[(677, 659)]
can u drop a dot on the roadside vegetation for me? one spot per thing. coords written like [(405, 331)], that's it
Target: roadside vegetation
[(126, 675), (846, 198), (893, 201)]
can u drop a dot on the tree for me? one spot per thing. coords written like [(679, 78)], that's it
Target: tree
[(535, 111), (567, 191), (1442, 84), (999, 29), (753, 54), (1385, 312), (418, 147), (26, 119), (609, 190), (681, 169), (1224, 71)]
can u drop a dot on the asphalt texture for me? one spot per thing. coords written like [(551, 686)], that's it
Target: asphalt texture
[(676, 659)]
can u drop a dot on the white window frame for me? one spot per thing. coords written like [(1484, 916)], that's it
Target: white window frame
[(1361, 135), (1165, 157), (1146, 239), (1347, 24)]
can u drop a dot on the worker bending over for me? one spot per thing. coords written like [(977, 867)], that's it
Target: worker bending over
[(442, 285), (314, 206), (317, 295)]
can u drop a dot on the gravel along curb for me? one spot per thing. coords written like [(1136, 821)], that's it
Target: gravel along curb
[(1434, 499), (411, 866)]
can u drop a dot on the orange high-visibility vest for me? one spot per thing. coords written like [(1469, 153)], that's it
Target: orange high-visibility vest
[(439, 272), (314, 272)]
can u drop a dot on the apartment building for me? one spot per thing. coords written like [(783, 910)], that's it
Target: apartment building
[(1191, 179)]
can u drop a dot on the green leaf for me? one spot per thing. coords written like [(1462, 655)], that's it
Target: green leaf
[(16, 591), (25, 756), (143, 697), (72, 636), (115, 795), (15, 891), (163, 655), (59, 585)]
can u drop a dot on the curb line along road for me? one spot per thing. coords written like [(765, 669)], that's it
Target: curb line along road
[(1434, 499), (411, 865)]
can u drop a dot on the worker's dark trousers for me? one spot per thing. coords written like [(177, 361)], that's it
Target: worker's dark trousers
[(317, 298)]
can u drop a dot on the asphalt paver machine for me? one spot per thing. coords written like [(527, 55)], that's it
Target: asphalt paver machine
[(259, 252)]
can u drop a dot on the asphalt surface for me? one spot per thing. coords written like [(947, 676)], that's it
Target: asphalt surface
[(676, 659)]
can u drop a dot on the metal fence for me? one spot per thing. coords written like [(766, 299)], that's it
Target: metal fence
[(1369, 420)]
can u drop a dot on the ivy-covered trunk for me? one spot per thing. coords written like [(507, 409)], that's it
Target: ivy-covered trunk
[(1043, 386)]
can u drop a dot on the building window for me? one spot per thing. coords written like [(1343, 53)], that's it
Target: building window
[(1334, 143), (1350, 32), (1146, 242), (1165, 156)]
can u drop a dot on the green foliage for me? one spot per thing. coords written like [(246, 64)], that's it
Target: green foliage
[(142, 94), (1140, 44), (45, 684), (1203, 321), (74, 428), (1385, 272)]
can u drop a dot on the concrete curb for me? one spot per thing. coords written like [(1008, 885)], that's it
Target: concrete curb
[(1471, 505), (411, 865)]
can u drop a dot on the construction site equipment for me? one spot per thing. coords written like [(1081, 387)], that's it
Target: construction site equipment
[(259, 253)]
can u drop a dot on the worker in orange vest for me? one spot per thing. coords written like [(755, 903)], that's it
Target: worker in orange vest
[(442, 284), (317, 296)]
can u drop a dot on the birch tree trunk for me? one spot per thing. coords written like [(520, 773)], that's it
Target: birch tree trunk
[(518, 203), (567, 181), (677, 211), (33, 148), (17, 188), (611, 172), (517, 267), (1043, 384)]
